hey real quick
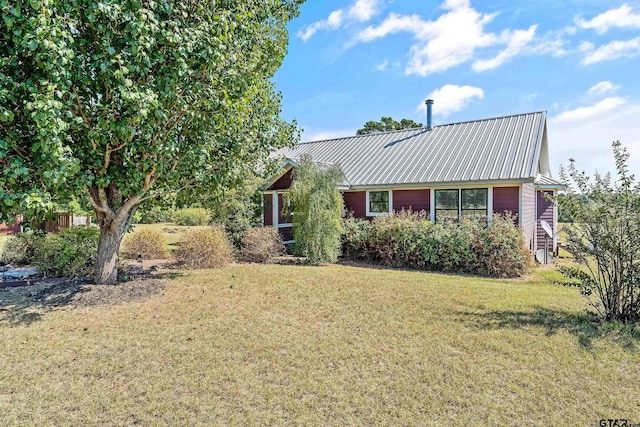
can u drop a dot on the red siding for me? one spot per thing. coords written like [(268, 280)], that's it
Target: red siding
[(416, 200), (356, 202), (544, 212), (506, 199), (10, 229), (284, 182), (267, 214), (281, 218), (286, 233)]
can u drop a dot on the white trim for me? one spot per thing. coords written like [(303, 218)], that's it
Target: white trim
[(535, 226), (443, 185), (521, 195), (432, 205), (284, 225), (287, 242), (274, 210), (489, 205), (369, 213), (555, 222)]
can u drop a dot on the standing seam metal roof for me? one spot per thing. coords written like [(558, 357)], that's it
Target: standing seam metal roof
[(500, 148)]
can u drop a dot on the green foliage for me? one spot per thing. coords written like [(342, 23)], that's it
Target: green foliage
[(387, 124), (21, 248), (205, 248), (261, 244), (408, 239), (192, 216), (149, 243), (238, 209), (154, 214), (123, 101), (71, 252), (605, 238), (317, 207)]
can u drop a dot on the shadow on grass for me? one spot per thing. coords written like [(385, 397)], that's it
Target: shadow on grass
[(27, 304), (586, 327)]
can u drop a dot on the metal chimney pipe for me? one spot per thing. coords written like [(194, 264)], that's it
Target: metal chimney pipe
[(429, 103)]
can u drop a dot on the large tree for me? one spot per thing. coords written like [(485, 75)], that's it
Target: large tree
[(387, 124), (124, 100)]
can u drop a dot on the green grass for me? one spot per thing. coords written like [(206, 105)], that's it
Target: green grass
[(331, 345)]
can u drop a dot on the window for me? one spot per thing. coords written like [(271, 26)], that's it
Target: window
[(474, 203), (467, 202), (378, 202), (447, 206)]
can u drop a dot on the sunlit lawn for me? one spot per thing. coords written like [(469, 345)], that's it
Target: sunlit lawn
[(332, 345)]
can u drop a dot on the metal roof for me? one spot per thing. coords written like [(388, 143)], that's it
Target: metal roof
[(500, 148), (543, 181)]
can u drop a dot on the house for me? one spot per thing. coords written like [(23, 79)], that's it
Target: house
[(466, 169), (62, 220)]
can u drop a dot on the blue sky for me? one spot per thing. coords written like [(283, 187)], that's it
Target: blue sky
[(351, 61)]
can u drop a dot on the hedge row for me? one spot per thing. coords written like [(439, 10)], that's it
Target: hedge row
[(408, 240)]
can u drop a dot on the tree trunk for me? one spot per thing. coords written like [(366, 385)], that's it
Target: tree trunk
[(111, 234)]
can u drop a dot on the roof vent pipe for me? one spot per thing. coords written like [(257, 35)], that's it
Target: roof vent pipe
[(429, 103)]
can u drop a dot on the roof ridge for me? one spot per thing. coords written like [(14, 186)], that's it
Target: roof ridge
[(423, 127)]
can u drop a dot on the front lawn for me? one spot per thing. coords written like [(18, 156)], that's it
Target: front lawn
[(332, 345)]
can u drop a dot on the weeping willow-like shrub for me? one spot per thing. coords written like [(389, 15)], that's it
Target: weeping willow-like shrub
[(316, 206)]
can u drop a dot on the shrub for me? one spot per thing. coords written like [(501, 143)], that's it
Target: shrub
[(407, 239), (71, 252), (261, 244), (21, 248), (356, 238), (154, 215), (146, 242), (237, 210), (192, 216), (605, 238), (205, 248), (317, 211)]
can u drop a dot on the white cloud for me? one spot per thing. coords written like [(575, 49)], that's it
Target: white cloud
[(383, 65), (590, 142), (452, 98), (333, 21), (454, 38), (360, 11), (516, 42), (586, 46), (322, 135), (596, 111), (602, 88), (612, 50), (364, 10), (622, 17)]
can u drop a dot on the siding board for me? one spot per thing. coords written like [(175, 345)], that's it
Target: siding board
[(356, 202), (506, 199), (529, 214), (284, 182), (267, 214), (544, 213), (416, 200)]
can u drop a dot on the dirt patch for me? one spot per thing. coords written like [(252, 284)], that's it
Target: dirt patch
[(76, 294)]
